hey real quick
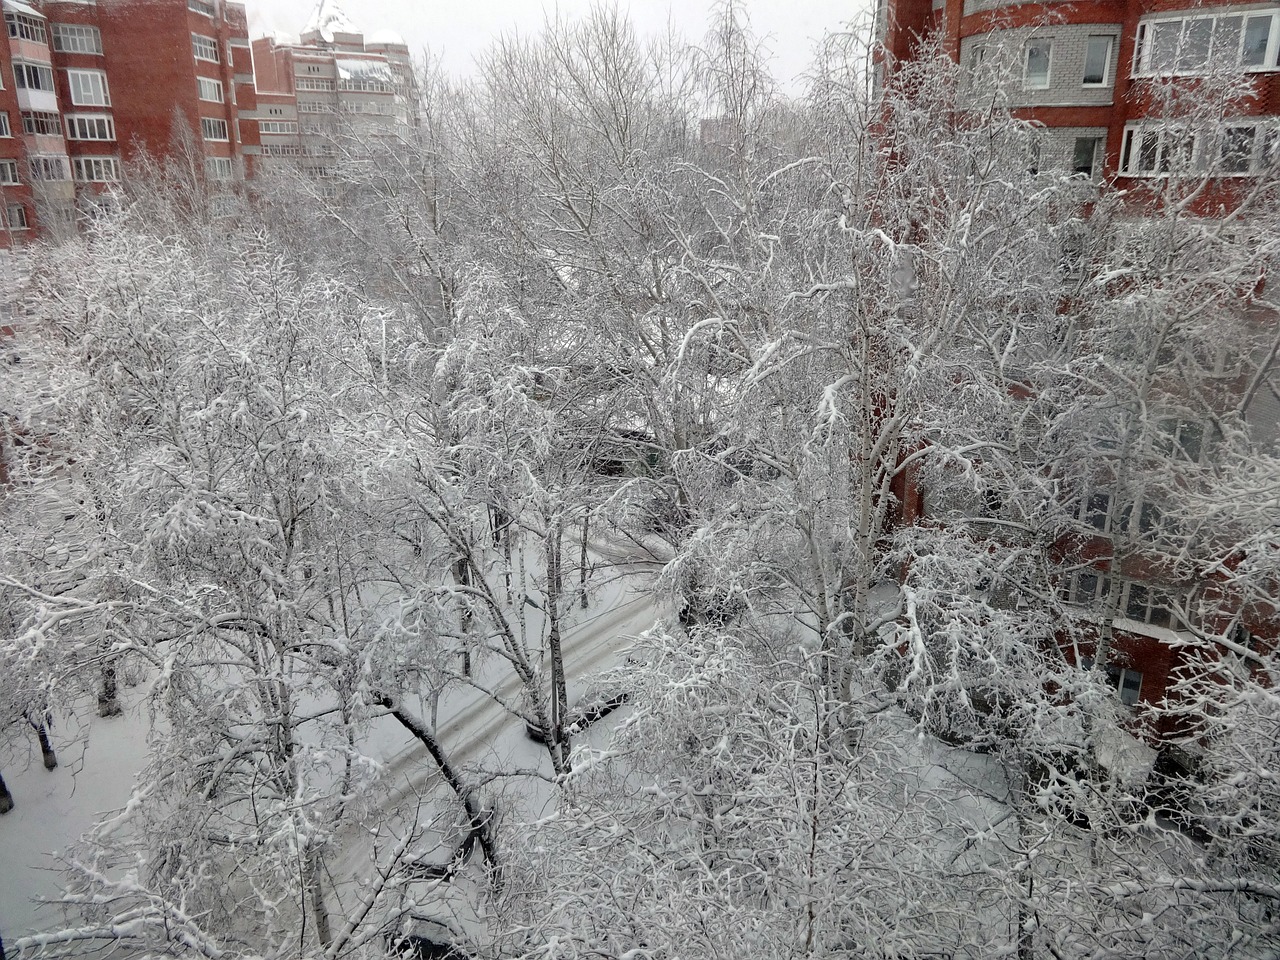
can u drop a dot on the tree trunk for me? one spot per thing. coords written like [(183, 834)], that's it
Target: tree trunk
[(108, 695), (315, 891), (6, 798), (462, 573), (481, 821), (46, 747), (582, 562), (559, 694)]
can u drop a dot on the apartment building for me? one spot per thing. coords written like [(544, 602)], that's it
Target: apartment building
[(331, 80), (86, 87), (1095, 78), (89, 86), (1078, 69)]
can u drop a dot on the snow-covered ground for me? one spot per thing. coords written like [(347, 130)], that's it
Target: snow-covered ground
[(99, 761)]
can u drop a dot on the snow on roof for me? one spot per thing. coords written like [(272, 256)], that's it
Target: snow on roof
[(17, 7), (385, 38), (283, 38), (364, 70), (329, 19)]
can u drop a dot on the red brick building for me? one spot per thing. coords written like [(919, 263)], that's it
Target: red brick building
[(1091, 75), (1080, 70), (87, 87)]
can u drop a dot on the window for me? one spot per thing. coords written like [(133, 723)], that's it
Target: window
[(1180, 439), (213, 129), (1236, 153), (218, 168), (32, 76), (22, 27), (313, 106), (1084, 156), (314, 83), (97, 169), (48, 168), (1147, 152), (9, 172), (201, 7), (1086, 586), (210, 90), (1257, 40), (362, 85), (74, 38), (204, 48), (1097, 508), (1097, 62), (277, 126), (4, 125), (1128, 683), (90, 126), (1147, 605), (1035, 74), (16, 217), (46, 124), (1237, 149), (88, 88), (1198, 43), (280, 149)]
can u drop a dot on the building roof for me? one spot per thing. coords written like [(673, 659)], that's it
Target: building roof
[(17, 7), (385, 38), (376, 70), (326, 20)]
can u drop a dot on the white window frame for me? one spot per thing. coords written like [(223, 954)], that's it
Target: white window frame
[(22, 215), (278, 127), (209, 127), (1086, 586), (44, 117), (84, 126), (42, 70), (1180, 438), (5, 129), (219, 168), (204, 48), (21, 27), (77, 38), (48, 168), (1149, 605), (206, 86), (202, 8), (1142, 141), (9, 167), (89, 88), (1233, 56), (1099, 147), (1126, 682), (1033, 44), (96, 169), (1110, 41)]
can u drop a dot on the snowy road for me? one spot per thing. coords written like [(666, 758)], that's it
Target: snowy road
[(97, 771)]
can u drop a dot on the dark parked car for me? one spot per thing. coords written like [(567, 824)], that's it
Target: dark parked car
[(596, 704), (425, 939)]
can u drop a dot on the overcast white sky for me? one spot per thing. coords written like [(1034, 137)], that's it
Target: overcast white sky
[(460, 29)]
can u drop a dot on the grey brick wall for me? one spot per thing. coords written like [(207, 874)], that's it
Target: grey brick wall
[(1005, 57), (977, 6), (1058, 145)]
